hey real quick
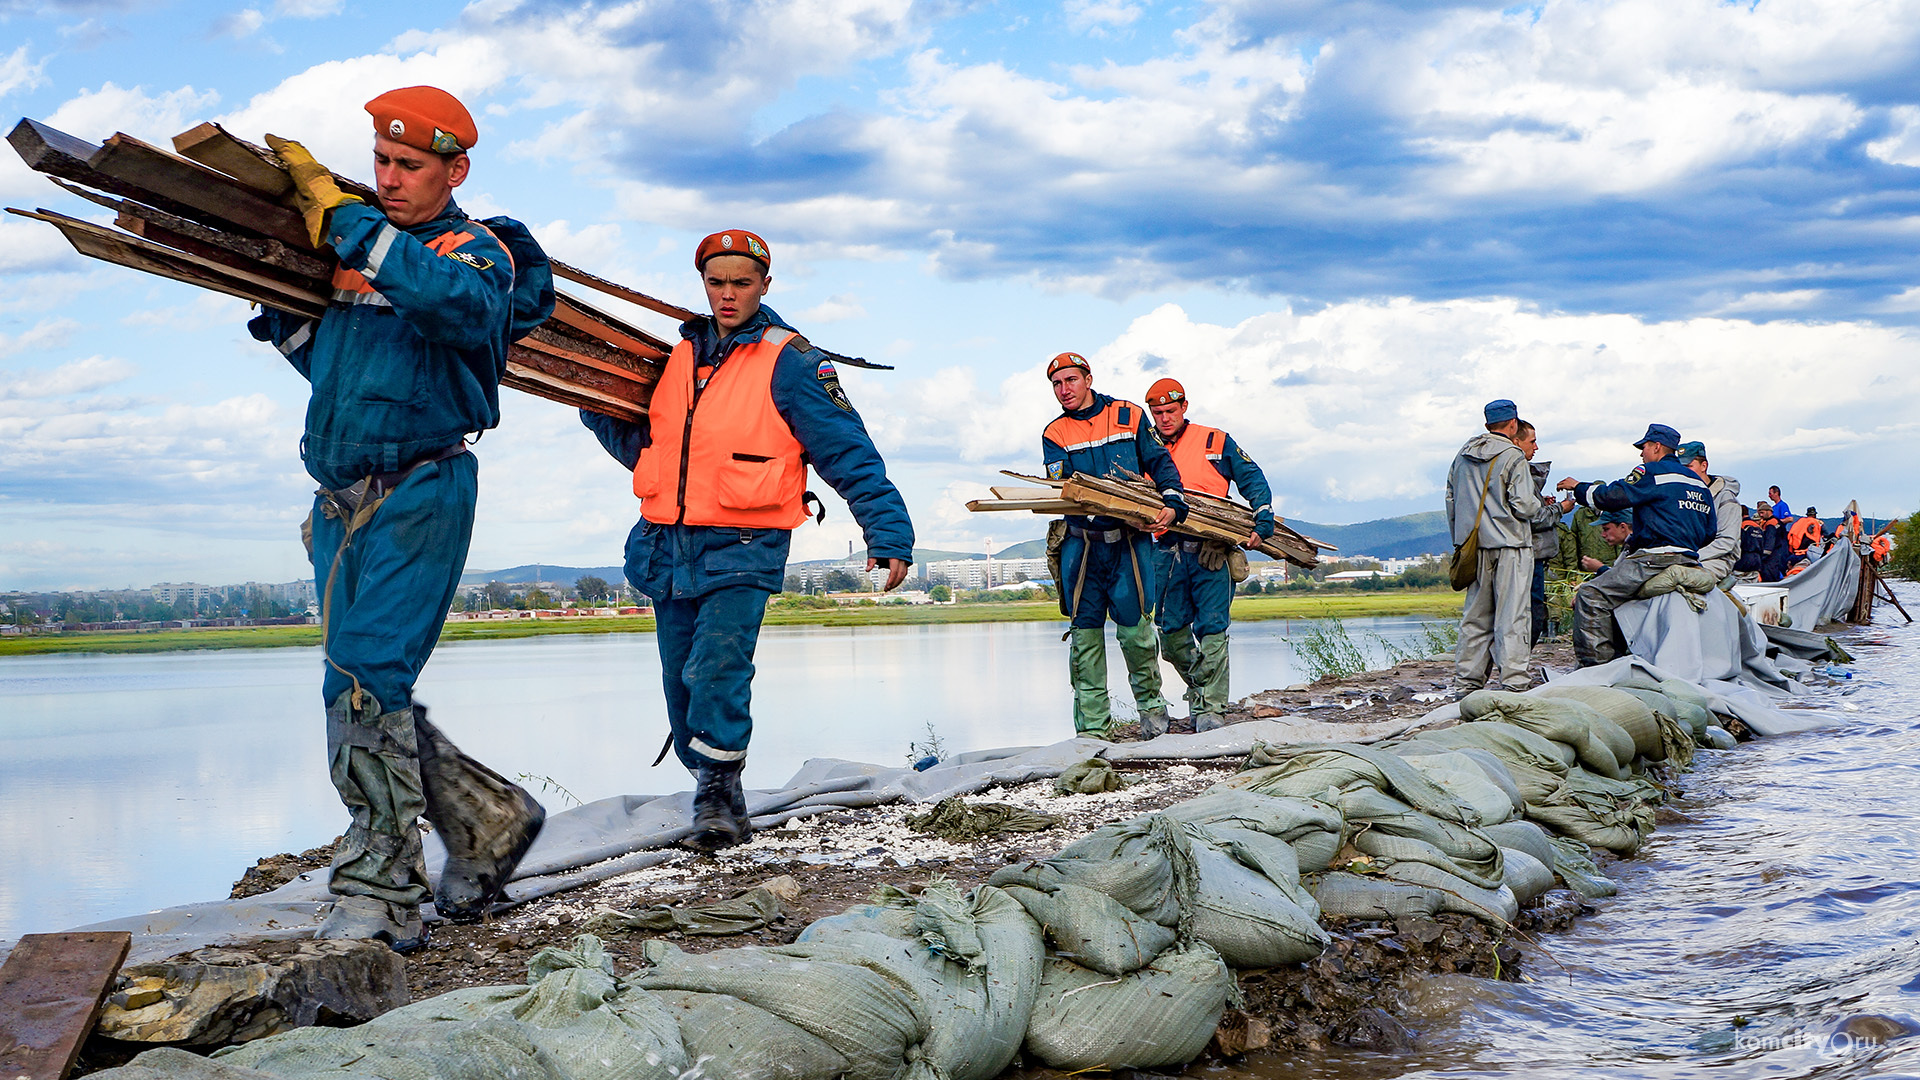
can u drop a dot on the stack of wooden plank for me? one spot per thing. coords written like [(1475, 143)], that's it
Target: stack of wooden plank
[(218, 213), (1136, 501)]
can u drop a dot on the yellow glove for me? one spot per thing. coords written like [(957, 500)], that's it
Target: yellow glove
[(314, 192)]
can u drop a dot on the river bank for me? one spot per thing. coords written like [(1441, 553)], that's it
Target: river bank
[(1304, 605)]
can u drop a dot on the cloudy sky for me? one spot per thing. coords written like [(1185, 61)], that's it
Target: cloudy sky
[(1343, 225)]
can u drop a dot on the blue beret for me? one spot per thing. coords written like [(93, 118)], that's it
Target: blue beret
[(1691, 452), (1499, 412), (1615, 517)]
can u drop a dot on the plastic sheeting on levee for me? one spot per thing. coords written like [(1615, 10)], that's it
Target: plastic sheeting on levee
[(1826, 589)]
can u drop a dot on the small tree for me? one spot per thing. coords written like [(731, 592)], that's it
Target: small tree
[(498, 594), (941, 593), (844, 581), (592, 589), (1905, 560), (537, 597)]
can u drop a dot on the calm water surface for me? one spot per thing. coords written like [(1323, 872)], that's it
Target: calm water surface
[(135, 782)]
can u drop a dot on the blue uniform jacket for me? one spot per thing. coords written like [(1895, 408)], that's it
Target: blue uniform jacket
[(415, 364), (1672, 509), (1137, 454), (686, 561), (1239, 468)]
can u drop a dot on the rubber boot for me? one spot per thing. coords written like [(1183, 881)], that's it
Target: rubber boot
[(379, 873), (1087, 669), (372, 919), (486, 821), (1141, 650), (1154, 724), (719, 808), (1209, 690), (1177, 647)]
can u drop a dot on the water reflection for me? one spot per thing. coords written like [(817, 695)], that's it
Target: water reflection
[(135, 782)]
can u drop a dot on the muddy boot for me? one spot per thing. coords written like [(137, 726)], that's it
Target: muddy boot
[(486, 822), (372, 919), (1208, 721), (719, 808), (1153, 723)]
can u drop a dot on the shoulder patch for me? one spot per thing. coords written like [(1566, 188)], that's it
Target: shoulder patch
[(1638, 472), (1244, 456), (1056, 470), (478, 262), (830, 380)]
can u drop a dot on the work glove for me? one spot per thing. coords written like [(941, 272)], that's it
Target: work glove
[(314, 192), (1213, 554)]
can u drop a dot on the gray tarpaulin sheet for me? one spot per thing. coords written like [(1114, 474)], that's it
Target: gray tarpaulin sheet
[(1756, 708), (624, 833), (1825, 590), (1712, 646)]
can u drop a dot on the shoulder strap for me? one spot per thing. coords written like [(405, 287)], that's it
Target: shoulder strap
[(1486, 487)]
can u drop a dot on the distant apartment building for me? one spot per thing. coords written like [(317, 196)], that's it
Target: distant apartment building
[(984, 573), (172, 592)]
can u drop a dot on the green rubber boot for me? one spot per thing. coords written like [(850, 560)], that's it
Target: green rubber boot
[(1178, 647), (373, 759), (1209, 682), (1142, 652), (1087, 669)]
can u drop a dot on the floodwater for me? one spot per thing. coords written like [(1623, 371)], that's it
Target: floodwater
[(1741, 944), (129, 783)]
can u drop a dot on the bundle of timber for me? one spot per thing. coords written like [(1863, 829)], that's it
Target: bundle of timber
[(219, 214), (1135, 500)]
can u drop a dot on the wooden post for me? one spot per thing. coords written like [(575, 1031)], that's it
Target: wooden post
[(51, 989)]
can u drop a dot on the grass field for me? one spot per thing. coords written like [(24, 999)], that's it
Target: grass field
[(1246, 609)]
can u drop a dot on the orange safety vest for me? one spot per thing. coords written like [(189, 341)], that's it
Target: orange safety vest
[(1804, 534), (1115, 423), (722, 456), (1882, 544), (1195, 451)]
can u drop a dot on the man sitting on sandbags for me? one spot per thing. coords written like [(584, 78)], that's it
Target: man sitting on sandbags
[(1673, 517)]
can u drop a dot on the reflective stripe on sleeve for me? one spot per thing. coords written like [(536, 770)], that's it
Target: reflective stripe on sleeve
[(300, 337), (388, 234)]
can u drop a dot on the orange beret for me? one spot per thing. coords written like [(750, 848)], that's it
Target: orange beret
[(424, 117), (1067, 360), (1165, 392), (733, 242)]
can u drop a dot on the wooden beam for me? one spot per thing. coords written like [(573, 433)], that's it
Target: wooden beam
[(580, 315), (211, 145), (563, 381), (600, 284), (131, 251), (51, 989), (542, 341), (193, 184)]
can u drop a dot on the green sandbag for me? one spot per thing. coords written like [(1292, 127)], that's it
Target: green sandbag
[(734, 1039), (1313, 829), (1391, 849), (1145, 863), (1599, 742), (1718, 738), (1465, 780), (1623, 708), (1369, 809), (1090, 777), (1355, 896), (1093, 928), (1527, 876), (1523, 836), (1491, 768), (1250, 920), (1599, 812), (1496, 906), (1681, 690), (1164, 1014), (1573, 861), (573, 1020), (1512, 745), (1312, 771)]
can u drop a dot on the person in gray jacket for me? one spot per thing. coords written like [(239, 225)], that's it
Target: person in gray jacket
[(1718, 557), (1546, 529), (1496, 620)]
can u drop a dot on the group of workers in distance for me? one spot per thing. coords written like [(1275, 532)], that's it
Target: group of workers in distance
[(406, 362)]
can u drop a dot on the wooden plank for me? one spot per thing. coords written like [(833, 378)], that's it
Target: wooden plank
[(272, 254), (583, 316), (558, 380), (190, 183), (58, 154), (542, 342), (1025, 493), (600, 284), (105, 244), (51, 988), (250, 163), (1038, 506)]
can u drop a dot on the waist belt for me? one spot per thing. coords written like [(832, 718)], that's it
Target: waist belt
[(1105, 536), (1190, 546), (376, 486)]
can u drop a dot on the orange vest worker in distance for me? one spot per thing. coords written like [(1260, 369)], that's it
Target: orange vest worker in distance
[(730, 461), (1805, 533)]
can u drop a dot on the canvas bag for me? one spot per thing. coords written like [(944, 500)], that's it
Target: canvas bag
[(1464, 567)]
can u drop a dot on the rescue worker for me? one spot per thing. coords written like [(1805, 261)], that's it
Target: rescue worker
[(1195, 584), (1781, 511), (405, 362), (1490, 487), (1804, 535), (1106, 565), (742, 408), (1881, 548), (1545, 527), (1673, 518), (1718, 557), (1763, 545), (1583, 545)]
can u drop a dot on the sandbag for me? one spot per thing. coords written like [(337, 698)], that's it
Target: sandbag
[(1161, 1015), (1093, 929), (1496, 906), (1527, 876), (1144, 863), (1465, 780), (1388, 849), (1612, 814), (1491, 767), (1313, 829), (1718, 738), (1523, 836), (1600, 744), (743, 1042), (573, 1020), (1322, 771), (1629, 712), (1682, 690), (1574, 863), (1355, 896), (1248, 918), (1512, 745), (1370, 810)]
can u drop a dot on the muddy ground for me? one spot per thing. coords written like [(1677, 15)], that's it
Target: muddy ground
[(1350, 995)]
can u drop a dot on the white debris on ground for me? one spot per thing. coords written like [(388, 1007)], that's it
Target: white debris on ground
[(877, 837)]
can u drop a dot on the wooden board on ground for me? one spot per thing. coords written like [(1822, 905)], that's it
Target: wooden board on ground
[(51, 988)]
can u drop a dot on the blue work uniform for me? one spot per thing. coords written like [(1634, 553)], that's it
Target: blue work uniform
[(405, 362), (1191, 595), (1673, 518), (709, 584)]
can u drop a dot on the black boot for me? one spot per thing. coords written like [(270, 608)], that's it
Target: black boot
[(486, 821), (719, 808)]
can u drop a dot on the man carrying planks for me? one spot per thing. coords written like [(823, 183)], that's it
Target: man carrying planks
[(1106, 565), (404, 363), (1195, 583), (744, 405)]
